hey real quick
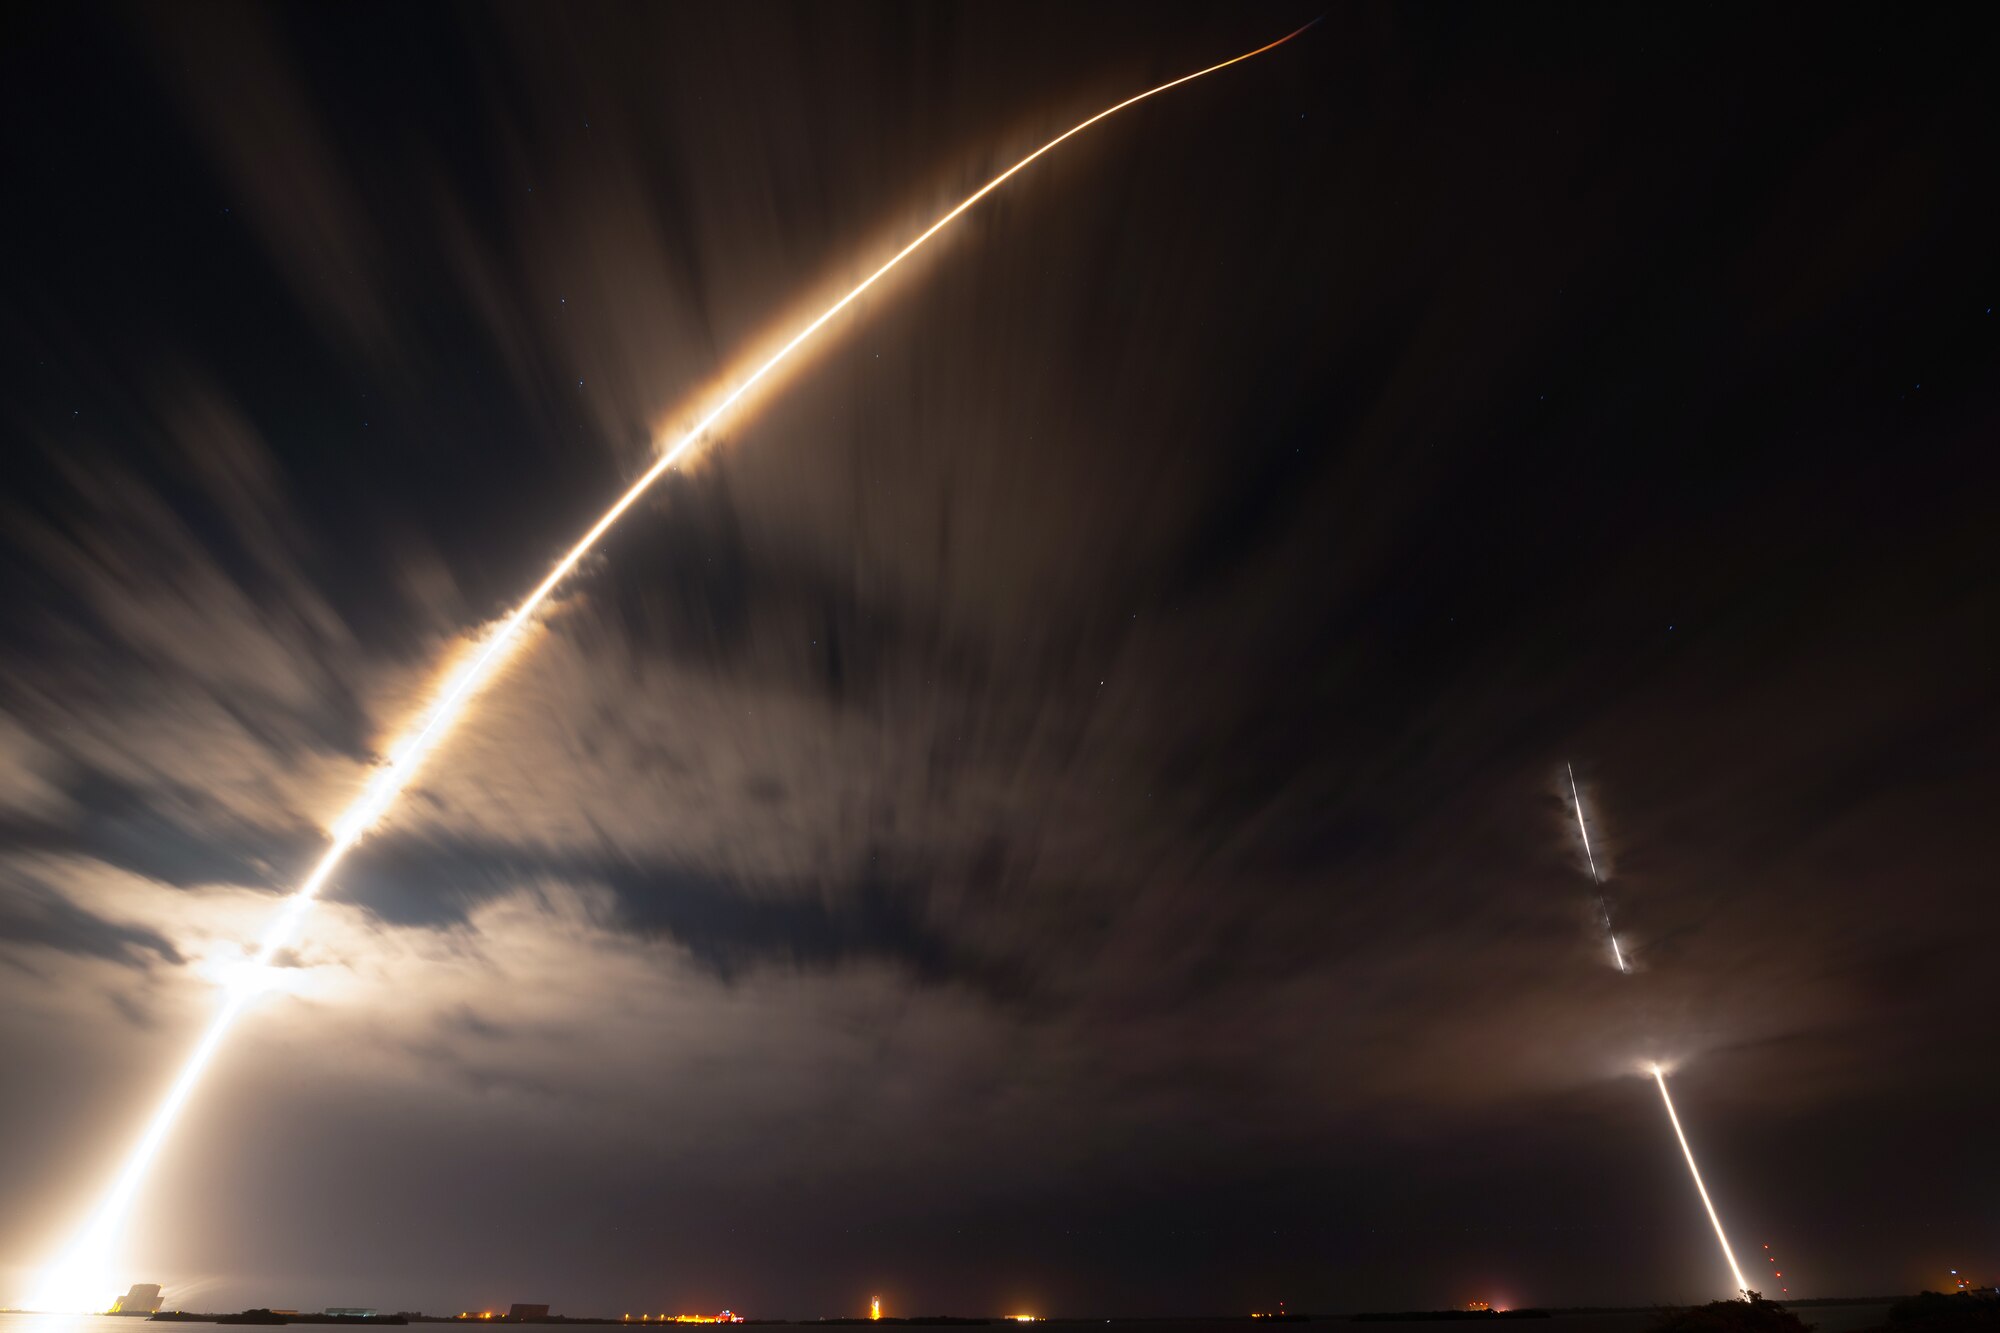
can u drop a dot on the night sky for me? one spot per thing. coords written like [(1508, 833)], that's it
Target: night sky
[(1059, 807)]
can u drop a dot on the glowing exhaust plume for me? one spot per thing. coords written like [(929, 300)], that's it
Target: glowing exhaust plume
[(1603, 903), (83, 1278), (1742, 1287)]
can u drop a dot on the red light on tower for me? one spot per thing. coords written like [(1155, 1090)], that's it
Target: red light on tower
[(1777, 1273)]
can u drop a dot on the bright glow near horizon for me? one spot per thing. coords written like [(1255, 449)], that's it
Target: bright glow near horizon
[(82, 1280)]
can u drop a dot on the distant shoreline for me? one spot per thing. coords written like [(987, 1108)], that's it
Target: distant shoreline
[(933, 1321), (1445, 1315)]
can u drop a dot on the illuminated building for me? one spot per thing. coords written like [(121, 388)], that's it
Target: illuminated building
[(143, 1298), (1479, 1307), (350, 1311), (875, 1308)]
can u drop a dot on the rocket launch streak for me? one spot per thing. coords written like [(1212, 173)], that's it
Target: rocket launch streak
[(1714, 1219), (82, 1279), (1603, 904)]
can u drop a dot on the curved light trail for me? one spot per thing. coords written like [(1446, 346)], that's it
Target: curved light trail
[(82, 1278)]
